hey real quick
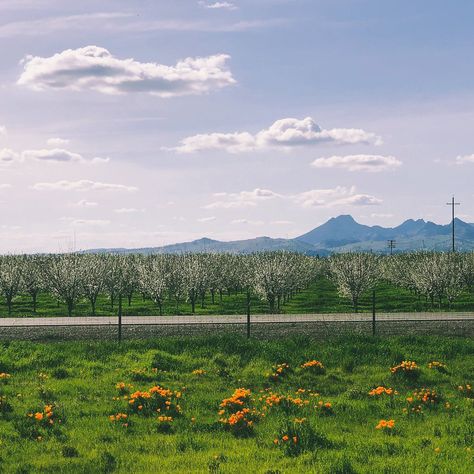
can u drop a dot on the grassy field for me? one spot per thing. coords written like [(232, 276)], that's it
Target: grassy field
[(320, 297), (305, 419)]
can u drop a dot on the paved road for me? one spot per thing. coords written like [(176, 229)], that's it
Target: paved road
[(230, 319)]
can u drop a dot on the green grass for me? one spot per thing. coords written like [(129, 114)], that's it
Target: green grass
[(320, 297), (80, 381)]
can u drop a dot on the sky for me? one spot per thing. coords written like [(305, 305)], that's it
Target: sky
[(146, 122)]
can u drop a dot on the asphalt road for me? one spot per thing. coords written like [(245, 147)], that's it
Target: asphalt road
[(230, 319)]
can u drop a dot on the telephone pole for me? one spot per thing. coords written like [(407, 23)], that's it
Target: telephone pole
[(453, 203), (391, 244)]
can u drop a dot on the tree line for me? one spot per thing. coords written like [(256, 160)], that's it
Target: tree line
[(275, 277)]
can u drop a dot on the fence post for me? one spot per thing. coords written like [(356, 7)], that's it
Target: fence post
[(120, 319), (373, 312), (248, 313)]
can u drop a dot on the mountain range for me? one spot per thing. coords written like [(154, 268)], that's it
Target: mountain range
[(338, 234)]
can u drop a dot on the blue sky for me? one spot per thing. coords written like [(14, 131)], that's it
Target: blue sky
[(137, 123)]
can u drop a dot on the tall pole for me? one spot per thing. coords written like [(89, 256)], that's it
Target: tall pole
[(120, 318), (453, 203), (391, 245), (248, 312), (373, 312)]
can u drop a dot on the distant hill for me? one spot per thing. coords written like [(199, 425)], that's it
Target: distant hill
[(338, 234)]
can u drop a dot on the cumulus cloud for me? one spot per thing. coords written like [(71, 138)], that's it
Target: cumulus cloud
[(370, 163), (338, 196), (52, 155), (206, 219), (56, 155), (218, 5), (82, 185), (3, 130), (5, 186), (283, 134), (242, 199), (57, 142), (95, 68), (462, 160)]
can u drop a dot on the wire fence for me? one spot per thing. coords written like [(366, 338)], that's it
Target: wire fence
[(260, 326)]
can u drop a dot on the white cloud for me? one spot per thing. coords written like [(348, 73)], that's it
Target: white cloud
[(338, 196), (218, 5), (381, 216), (85, 203), (128, 210), (359, 200), (206, 219), (55, 155), (283, 222), (117, 22), (371, 163), (82, 185), (60, 23), (5, 186), (229, 205), (8, 156), (246, 222), (283, 134), (94, 68), (57, 142), (3, 130), (462, 160), (242, 199), (52, 155), (89, 222)]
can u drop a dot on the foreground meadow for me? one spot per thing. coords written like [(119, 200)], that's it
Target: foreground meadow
[(226, 404)]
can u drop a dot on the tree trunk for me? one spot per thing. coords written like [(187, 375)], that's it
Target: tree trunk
[(271, 302), (92, 300), (70, 305)]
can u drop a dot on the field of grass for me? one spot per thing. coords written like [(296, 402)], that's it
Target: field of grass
[(320, 297), (303, 420)]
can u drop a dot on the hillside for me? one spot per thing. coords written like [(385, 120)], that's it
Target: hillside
[(338, 234)]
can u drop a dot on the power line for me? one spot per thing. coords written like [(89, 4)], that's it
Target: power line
[(453, 203)]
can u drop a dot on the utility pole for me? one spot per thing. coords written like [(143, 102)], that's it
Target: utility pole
[(453, 203), (391, 244)]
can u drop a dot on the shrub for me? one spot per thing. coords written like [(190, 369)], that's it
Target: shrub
[(314, 367), (69, 452), (298, 436), (407, 368), (60, 374), (279, 372)]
